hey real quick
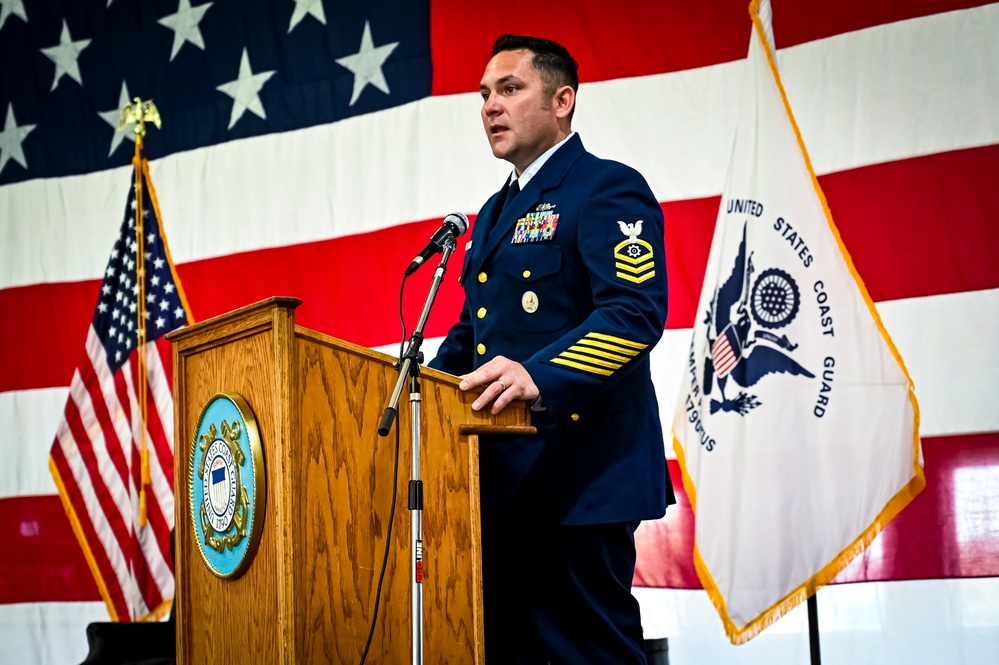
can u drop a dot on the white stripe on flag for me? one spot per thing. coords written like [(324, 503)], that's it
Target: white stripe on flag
[(681, 148)]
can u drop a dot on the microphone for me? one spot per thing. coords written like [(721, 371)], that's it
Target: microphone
[(453, 226)]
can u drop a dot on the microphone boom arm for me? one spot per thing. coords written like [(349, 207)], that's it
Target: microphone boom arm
[(411, 359)]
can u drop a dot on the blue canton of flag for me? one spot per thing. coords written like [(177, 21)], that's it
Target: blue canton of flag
[(216, 70), (115, 319)]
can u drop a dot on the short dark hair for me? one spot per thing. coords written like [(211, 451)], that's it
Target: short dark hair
[(551, 59)]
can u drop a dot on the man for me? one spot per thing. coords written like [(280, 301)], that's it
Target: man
[(565, 296)]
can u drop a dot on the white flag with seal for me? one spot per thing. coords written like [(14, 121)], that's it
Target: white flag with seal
[(797, 427)]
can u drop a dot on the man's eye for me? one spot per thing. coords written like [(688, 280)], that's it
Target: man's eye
[(511, 89)]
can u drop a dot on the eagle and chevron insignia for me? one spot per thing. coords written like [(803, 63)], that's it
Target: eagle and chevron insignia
[(633, 257)]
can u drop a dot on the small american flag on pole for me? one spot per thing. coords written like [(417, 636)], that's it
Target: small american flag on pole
[(114, 418)]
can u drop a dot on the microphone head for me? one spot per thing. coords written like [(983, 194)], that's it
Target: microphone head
[(458, 221)]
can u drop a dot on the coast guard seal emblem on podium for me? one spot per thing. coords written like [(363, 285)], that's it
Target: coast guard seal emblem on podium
[(228, 486)]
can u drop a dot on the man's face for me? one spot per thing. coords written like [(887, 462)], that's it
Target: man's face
[(520, 120)]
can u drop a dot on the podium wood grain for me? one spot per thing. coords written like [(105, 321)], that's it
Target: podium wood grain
[(309, 594)]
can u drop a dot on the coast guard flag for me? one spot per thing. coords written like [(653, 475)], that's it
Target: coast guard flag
[(797, 426), (96, 459)]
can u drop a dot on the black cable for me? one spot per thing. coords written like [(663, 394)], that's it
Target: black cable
[(395, 494), (388, 545), (402, 322)]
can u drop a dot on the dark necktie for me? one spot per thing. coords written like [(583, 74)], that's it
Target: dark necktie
[(511, 193)]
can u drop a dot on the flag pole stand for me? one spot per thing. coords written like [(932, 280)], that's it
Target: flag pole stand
[(813, 631), (410, 368)]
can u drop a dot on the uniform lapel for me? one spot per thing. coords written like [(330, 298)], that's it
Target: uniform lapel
[(504, 220)]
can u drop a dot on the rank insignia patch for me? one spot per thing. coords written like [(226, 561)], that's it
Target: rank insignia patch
[(633, 257), (535, 227)]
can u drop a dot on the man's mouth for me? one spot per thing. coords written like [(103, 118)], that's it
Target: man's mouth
[(496, 130)]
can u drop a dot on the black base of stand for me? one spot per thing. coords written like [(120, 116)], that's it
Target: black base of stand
[(657, 651)]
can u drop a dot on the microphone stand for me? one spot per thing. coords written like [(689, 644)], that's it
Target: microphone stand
[(410, 368)]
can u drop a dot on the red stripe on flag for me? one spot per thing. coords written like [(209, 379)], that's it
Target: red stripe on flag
[(35, 330), (933, 537), (40, 560), (893, 233), (922, 226), (646, 37), (916, 227)]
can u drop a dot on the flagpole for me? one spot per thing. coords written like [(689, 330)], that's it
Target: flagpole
[(813, 630), (139, 113)]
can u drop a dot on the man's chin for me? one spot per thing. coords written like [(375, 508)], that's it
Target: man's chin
[(500, 150)]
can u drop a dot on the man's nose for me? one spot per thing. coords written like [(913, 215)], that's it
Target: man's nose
[(491, 105)]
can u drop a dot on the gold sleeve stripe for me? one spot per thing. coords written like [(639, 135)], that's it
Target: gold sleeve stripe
[(649, 265), (617, 340), (591, 360), (585, 368), (597, 352), (637, 280), (609, 347)]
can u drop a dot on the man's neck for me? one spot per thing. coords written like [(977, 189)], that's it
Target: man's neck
[(525, 175), (560, 137)]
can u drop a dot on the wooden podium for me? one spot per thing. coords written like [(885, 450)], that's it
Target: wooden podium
[(308, 595)]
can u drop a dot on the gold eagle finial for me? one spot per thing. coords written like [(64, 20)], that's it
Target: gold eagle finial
[(139, 112)]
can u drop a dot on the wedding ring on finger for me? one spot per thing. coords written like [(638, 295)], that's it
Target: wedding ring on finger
[(499, 381)]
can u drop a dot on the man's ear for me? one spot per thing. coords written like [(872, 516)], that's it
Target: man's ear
[(565, 101)]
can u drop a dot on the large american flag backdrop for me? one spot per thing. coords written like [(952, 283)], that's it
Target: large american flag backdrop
[(311, 147)]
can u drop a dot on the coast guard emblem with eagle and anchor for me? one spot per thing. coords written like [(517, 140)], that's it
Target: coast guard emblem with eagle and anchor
[(227, 485), (741, 351)]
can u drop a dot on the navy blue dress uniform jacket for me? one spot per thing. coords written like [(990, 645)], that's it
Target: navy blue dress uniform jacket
[(570, 281)]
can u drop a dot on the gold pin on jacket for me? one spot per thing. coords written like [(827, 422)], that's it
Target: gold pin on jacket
[(529, 301)]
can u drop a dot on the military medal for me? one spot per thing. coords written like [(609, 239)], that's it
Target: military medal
[(529, 301)]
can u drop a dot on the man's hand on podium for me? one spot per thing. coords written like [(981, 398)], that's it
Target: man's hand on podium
[(505, 380)]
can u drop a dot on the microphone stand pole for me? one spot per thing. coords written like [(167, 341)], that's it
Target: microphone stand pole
[(410, 368)]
